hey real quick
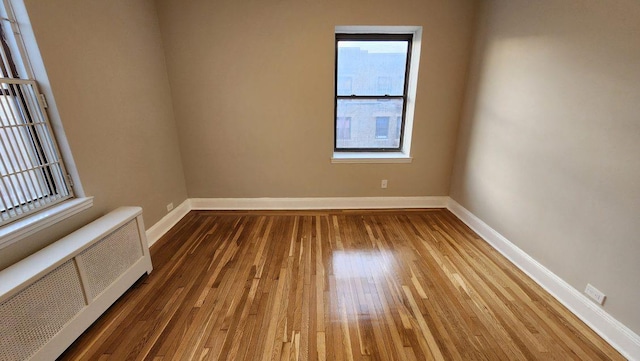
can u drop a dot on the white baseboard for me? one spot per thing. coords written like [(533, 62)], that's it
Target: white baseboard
[(164, 225), (318, 203), (613, 331)]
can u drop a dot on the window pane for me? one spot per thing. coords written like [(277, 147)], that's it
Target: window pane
[(371, 67), (370, 123)]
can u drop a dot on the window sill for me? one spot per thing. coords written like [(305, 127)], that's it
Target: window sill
[(370, 157), (13, 232)]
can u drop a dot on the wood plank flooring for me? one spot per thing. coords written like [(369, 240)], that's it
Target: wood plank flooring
[(334, 285)]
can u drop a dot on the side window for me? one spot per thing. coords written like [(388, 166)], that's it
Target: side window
[(382, 127), (398, 127), (343, 127), (32, 174), (384, 85)]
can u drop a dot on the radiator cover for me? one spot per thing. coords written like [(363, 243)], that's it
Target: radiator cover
[(48, 299)]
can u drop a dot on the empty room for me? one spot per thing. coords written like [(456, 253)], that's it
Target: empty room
[(319, 180)]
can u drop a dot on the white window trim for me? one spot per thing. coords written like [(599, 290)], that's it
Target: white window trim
[(370, 157), (24, 227), (404, 155)]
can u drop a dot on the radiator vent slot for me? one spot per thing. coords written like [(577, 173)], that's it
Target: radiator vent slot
[(107, 260), (32, 317)]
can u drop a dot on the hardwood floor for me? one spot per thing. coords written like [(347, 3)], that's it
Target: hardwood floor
[(334, 285)]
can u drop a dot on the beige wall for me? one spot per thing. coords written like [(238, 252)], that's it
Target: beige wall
[(252, 85), (106, 67), (549, 145)]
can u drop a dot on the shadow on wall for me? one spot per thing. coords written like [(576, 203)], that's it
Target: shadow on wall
[(548, 142)]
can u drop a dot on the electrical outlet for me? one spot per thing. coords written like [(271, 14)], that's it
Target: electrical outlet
[(169, 207), (595, 294), (383, 184)]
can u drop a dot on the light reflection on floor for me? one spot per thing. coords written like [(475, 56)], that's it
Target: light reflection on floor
[(366, 264), (360, 277)]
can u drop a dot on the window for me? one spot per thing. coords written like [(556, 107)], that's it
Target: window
[(345, 85), (343, 127), (384, 85), (32, 174), (399, 127), (382, 127), (371, 62)]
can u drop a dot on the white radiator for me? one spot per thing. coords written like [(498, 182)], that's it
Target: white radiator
[(48, 299)]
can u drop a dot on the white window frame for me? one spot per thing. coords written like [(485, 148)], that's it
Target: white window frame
[(404, 155), (15, 12)]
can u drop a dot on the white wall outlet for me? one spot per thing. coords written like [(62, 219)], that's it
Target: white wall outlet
[(595, 294), (169, 207), (383, 184)]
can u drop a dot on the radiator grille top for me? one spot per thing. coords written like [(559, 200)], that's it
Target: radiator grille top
[(108, 259), (31, 318)]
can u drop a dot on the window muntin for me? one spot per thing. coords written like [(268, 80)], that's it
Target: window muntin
[(377, 69), (32, 175)]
